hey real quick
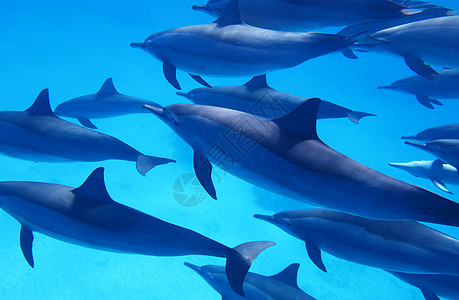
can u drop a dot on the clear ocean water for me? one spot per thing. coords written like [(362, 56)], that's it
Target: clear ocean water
[(71, 47)]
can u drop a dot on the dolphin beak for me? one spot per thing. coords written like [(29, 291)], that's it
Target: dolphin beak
[(398, 165), (270, 219), (410, 137), (160, 113), (200, 7), (421, 146), (193, 267), (142, 46), (386, 87), (183, 95)]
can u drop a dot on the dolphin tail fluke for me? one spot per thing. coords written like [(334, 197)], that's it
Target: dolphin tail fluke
[(145, 163), (355, 116), (239, 259)]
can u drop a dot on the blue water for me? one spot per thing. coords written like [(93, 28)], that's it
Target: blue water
[(71, 47)]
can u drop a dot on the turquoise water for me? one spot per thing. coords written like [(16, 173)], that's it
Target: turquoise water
[(72, 47)]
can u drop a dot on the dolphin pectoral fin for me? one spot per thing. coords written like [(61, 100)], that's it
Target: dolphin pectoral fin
[(238, 262), (315, 255), (26, 241), (145, 163), (87, 123), (203, 171), (108, 88), (200, 80), (230, 15), (428, 295), (441, 186), (289, 275), (355, 116), (426, 101), (417, 65), (302, 120), (347, 52), (170, 72)]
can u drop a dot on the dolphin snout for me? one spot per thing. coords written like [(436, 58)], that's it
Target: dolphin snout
[(398, 165), (139, 45), (193, 267), (183, 95), (270, 219), (200, 7), (386, 87)]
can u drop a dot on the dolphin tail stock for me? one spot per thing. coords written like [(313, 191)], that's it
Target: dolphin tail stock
[(238, 262), (355, 116), (145, 163)]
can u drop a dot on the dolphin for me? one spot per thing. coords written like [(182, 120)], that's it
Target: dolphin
[(400, 246), (282, 286), (432, 285), (106, 103), (228, 47), (445, 86), (446, 150), (287, 157), (257, 98), (434, 41), (88, 216), (449, 131), (37, 134), (437, 171), (295, 15)]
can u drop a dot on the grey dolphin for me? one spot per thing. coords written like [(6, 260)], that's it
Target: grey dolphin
[(301, 15), (228, 47), (435, 41), (432, 285), (445, 86), (258, 98), (286, 156), (89, 217), (106, 103), (437, 171), (400, 246), (372, 26), (447, 150), (449, 131), (37, 134), (282, 286)]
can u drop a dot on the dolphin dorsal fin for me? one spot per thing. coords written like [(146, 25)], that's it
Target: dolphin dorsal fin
[(303, 119), (231, 14), (41, 105), (94, 187), (257, 82), (107, 88), (289, 275)]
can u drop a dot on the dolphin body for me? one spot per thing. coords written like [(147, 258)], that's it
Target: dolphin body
[(449, 131), (432, 285), (445, 86), (282, 286), (228, 47), (37, 134), (371, 26), (88, 216), (286, 156), (446, 150), (257, 98), (294, 15), (106, 103), (400, 246), (437, 171), (435, 41)]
